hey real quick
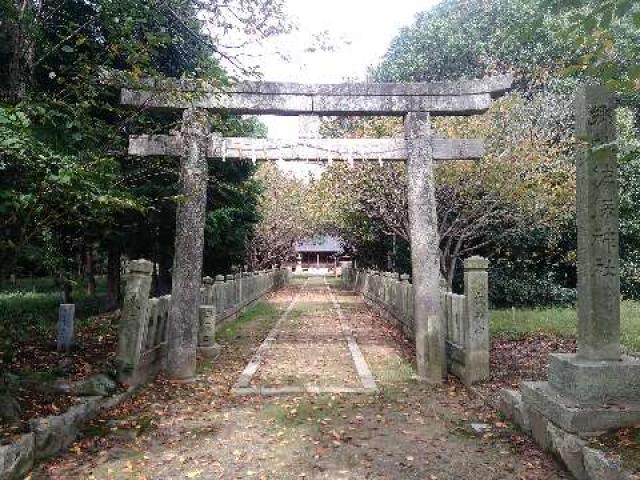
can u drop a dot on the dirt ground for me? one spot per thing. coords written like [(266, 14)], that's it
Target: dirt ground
[(405, 430), (37, 363)]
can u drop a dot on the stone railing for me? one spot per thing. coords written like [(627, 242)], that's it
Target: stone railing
[(466, 317), (224, 298), (142, 332)]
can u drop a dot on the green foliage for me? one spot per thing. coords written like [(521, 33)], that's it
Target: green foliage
[(232, 215), (66, 182), (551, 46), (629, 168), (511, 286), (606, 36), (470, 39)]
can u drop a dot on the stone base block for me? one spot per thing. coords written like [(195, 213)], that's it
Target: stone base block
[(599, 466), (512, 406), (595, 382), (569, 448), (574, 417), (210, 352), (16, 459), (583, 462)]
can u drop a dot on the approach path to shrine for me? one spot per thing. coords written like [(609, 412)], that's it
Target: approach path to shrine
[(323, 336)]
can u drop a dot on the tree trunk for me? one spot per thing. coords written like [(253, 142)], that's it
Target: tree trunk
[(67, 290), (21, 55), (89, 271), (113, 277)]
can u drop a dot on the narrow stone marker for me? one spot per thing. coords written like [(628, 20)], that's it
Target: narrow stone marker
[(207, 345), (131, 327), (476, 295), (66, 315)]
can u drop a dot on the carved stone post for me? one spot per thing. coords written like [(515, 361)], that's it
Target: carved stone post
[(425, 256), (598, 227), (208, 296), (207, 346), (189, 244), (132, 319), (220, 295), (239, 289), (476, 319)]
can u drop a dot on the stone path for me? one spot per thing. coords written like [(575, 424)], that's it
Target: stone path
[(205, 430), (310, 349)]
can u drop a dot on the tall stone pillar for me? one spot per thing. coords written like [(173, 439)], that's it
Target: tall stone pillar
[(598, 227), (189, 245), (425, 257), (220, 295)]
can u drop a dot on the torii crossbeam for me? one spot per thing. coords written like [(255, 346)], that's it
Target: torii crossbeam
[(416, 102), (255, 98), (319, 149)]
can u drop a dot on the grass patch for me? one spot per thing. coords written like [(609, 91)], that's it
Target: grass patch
[(393, 371), (517, 324), (262, 311)]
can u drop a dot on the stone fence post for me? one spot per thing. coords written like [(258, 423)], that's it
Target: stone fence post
[(476, 319), (238, 287), (133, 319), (208, 291), (66, 315), (207, 346), (406, 290), (230, 292), (219, 294)]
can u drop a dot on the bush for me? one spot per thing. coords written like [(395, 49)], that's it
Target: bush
[(525, 288)]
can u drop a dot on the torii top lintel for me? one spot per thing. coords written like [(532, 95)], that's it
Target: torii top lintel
[(466, 97)]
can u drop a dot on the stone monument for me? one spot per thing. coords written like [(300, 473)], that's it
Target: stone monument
[(597, 388)]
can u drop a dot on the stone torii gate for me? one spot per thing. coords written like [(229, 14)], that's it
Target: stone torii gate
[(416, 102)]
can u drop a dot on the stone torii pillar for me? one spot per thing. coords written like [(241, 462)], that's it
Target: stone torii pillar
[(189, 246), (425, 253)]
